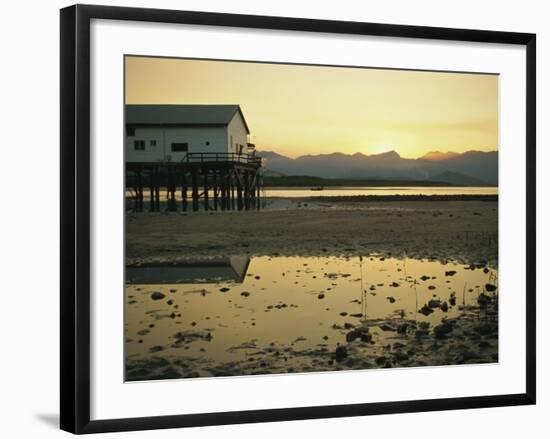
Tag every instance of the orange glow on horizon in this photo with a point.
(298, 110)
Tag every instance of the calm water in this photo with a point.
(290, 198)
(352, 191)
(296, 303)
(304, 192)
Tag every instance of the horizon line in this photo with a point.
(378, 154)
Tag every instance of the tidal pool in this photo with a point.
(303, 314)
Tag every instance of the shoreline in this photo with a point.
(398, 198)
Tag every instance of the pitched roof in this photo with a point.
(182, 114)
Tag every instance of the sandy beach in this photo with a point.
(464, 231)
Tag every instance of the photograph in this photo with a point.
(299, 218)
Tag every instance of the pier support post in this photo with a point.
(157, 189)
(227, 191)
(205, 182)
(232, 189)
(239, 191)
(253, 182)
(136, 190)
(183, 191)
(258, 189)
(171, 190)
(139, 191)
(234, 185)
(223, 187)
(246, 190)
(195, 190)
(151, 191)
(215, 189)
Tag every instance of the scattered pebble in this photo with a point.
(341, 353)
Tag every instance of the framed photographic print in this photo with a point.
(269, 218)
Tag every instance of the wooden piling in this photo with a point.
(246, 190)
(234, 184)
(171, 190)
(195, 190)
(258, 193)
(232, 189)
(139, 191)
(239, 191)
(223, 187)
(136, 201)
(151, 191)
(157, 189)
(205, 182)
(183, 191)
(215, 189)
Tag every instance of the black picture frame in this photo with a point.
(75, 217)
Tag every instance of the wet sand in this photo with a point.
(469, 339)
(464, 231)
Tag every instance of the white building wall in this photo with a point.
(237, 134)
(151, 153)
(199, 139)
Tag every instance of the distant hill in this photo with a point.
(270, 173)
(457, 179)
(468, 168)
(312, 182)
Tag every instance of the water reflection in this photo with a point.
(286, 314)
(298, 192)
(296, 197)
(228, 269)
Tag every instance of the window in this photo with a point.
(139, 145)
(180, 147)
(153, 142)
(130, 130)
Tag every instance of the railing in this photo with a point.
(209, 157)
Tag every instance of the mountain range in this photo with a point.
(471, 168)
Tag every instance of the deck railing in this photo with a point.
(209, 157)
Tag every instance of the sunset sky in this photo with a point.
(298, 110)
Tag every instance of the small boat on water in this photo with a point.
(320, 188)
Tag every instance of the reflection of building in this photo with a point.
(232, 268)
